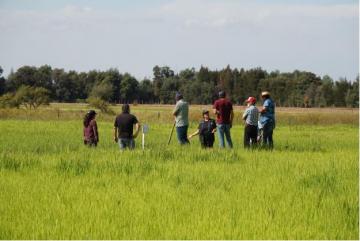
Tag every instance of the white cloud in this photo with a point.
(184, 33)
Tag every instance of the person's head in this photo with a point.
(222, 94)
(251, 100)
(265, 95)
(178, 96)
(125, 108)
(90, 115)
(205, 114)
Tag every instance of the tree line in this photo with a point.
(289, 89)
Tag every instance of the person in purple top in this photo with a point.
(91, 135)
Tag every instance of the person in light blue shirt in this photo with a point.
(267, 119)
(181, 114)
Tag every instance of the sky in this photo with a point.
(321, 36)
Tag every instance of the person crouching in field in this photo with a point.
(206, 130)
(91, 135)
(251, 116)
(123, 129)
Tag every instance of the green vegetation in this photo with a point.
(53, 187)
(289, 89)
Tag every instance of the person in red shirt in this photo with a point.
(223, 110)
(91, 135)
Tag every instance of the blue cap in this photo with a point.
(178, 96)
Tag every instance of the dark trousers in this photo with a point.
(250, 135)
(207, 141)
(90, 143)
(268, 135)
(181, 132)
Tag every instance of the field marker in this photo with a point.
(145, 129)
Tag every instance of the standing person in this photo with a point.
(90, 132)
(181, 114)
(250, 116)
(223, 110)
(123, 128)
(267, 119)
(206, 130)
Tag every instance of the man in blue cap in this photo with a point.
(181, 113)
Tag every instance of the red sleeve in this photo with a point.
(215, 106)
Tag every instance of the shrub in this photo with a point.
(100, 104)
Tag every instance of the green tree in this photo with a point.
(32, 97)
(128, 88)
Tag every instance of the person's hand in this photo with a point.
(115, 139)
(213, 131)
(190, 136)
(230, 125)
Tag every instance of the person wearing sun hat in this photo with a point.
(206, 130)
(250, 116)
(267, 119)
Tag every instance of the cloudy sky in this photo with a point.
(319, 35)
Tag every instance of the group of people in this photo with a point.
(259, 124)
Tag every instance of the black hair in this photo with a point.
(88, 117)
(222, 94)
(126, 108)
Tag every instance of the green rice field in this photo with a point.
(53, 187)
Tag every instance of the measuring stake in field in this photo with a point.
(145, 129)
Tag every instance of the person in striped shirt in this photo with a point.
(250, 116)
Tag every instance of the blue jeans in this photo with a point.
(268, 134)
(224, 129)
(181, 132)
(126, 143)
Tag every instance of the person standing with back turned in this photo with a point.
(91, 135)
(267, 119)
(123, 128)
(223, 109)
(181, 114)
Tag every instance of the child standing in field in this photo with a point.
(91, 135)
(206, 130)
(251, 116)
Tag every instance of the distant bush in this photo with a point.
(29, 97)
(8, 101)
(100, 104)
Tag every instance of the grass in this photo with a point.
(52, 187)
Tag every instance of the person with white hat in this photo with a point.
(267, 119)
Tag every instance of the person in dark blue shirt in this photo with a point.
(267, 119)
(206, 130)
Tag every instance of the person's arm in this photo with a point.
(176, 110)
(213, 127)
(137, 129)
(115, 134)
(265, 106)
(214, 109)
(115, 131)
(245, 114)
(95, 130)
(194, 134)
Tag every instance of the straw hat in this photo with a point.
(265, 93)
